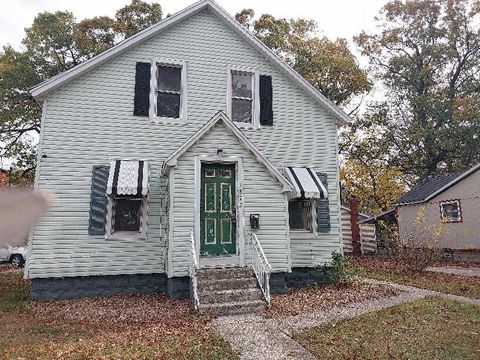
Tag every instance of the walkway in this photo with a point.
(456, 270)
(260, 338)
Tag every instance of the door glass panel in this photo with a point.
(226, 174)
(209, 172)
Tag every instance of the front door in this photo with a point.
(217, 210)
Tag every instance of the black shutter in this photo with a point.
(98, 200)
(141, 102)
(323, 208)
(266, 94)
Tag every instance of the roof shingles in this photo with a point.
(426, 188)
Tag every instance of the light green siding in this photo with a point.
(89, 121)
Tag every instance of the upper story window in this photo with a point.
(242, 95)
(168, 98)
(450, 211)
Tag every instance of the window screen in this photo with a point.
(300, 214)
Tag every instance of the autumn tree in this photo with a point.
(426, 55)
(54, 43)
(376, 185)
(328, 65)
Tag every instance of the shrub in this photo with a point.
(341, 270)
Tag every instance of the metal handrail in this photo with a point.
(257, 260)
(193, 271)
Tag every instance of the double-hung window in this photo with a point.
(242, 96)
(168, 100)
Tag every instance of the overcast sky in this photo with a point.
(338, 18)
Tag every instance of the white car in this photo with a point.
(14, 255)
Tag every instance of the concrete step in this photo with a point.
(232, 308)
(227, 273)
(225, 296)
(226, 284)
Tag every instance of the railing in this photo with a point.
(257, 260)
(193, 271)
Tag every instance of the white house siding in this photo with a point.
(262, 194)
(90, 121)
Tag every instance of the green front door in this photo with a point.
(217, 210)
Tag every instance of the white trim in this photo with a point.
(35, 184)
(171, 161)
(171, 222)
(40, 91)
(442, 189)
(232, 260)
(255, 124)
(152, 111)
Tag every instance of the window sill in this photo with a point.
(163, 120)
(126, 236)
(242, 125)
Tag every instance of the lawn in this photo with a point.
(431, 328)
(398, 272)
(126, 327)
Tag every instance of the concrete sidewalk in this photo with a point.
(456, 270)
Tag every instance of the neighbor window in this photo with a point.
(300, 213)
(168, 100)
(450, 211)
(242, 96)
(127, 215)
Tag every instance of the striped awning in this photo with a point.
(306, 183)
(127, 177)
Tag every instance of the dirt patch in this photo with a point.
(299, 301)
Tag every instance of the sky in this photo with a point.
(338, 18)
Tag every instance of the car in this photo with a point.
(14, 255)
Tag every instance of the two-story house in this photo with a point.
(187, 146)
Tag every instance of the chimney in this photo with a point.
(357, 248)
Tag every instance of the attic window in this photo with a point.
(450, 211)
(168, 98)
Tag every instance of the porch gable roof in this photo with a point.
(235, 131)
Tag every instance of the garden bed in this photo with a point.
(306, 300)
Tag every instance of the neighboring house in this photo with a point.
(442, 212)
(191, 130)
(4, 178)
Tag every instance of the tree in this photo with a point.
(54, 43)
(375, 184)
(426, 54)
(328, 65)
(137, 16)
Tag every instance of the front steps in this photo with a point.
(229, 291)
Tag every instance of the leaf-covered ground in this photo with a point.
(431, 328)
(304, 300)
(399, 272)
(116, 327)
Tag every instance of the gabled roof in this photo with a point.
(434, 186)
(41, 90)
(235, 131)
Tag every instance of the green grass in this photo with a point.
(24, 336)
(431, 328)
(399, 273)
